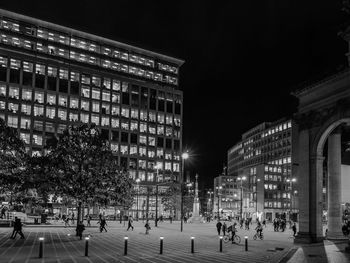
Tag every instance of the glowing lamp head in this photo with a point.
(185, 155)
(126, 238)
(161, 238)
(41, 238)
(192, 238)
(87, 238)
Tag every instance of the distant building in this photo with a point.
(263, 159)
(52, 76)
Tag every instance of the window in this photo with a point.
(50, 112)
(160, 130)
(12, 121)
(124, 149)
(63, 73)
(160, 153)
(152, 141)
(133, 125)
(143, 127)
(95, 119)
(51, 99)
(96, 81)
(85, 92)
(49, 127)
(37, 139)
(161, 118)
(85, 105)
(125, 112)
(106, 83)
(115, 123)
(96, 106)
(14, 92)
(25, 137)
(39, 97)
(13, 107)
(115, 110)
(2, 90)
(143, 139)
(26, 94)
(114, 147)
(105, 108)
(84, 117)
(74, 103)
(125, 125)
(151, 154)
(62, 100)
(133, 149)
(73, 116)
(26, 109)
(95, 94)
(134, 113)
(115, 97)
(85, 79)
(62, 114)
(116, 85)
(142, 151)
(105, 121)
(106, 96)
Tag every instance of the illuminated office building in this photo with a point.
(263, 158)
(52, 76)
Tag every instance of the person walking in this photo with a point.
(80, 228)
(264, 223)
(130, 221)
(294, 228)
(17, 228)
(224, 229)
(241, 223)
(103, 224)
(73, 218)
(218, 227)
(148, 228)
(88, 219)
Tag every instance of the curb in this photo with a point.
(288, 255)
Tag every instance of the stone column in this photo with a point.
(334, 186)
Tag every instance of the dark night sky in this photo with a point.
(243, 58)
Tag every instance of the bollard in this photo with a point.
(220, 244)
(192, 244)
(41, 249)
(125, 246)
(246, 243)
(161, 245)
(87, 246)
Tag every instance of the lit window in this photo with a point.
(115, 123)
(96, 106)
(85, 105)
(37, 139)
(25, 137)
(51, 99)
(84, 117)
(95, 94)
(74, 103)
(50, 112)
(73, 116)
(62, 100)
(95, 119)
(12, 121)
(62, 114)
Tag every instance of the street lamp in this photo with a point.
(218, 189)
(243, 178)
(184, 156)
(291, 181)
(137, 199)
(210, 193)
(157, 167)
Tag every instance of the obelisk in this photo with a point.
(195, 215)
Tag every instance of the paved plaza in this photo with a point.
(108, 247)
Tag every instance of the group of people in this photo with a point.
(279, 224)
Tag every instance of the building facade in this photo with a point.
(53, 76)
(261, 165)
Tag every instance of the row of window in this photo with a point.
(276, 129)
(276, 205)
(82, 44)
(85, 58)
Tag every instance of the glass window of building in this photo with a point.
(152, 141)
(133, 150)
(115, 123)
(160, 153)
(74, 103)
(143, 127)
(39, 97)
(115, 97)
(152, 117)
(84, 117)
(124, 149)
(85, 105)
(14, 92)
(27, 73)
(25, 137)
(152, 129)
(95, 106)
(169, 119)
(3, 90)
(49, 127)
(134, 125)
(168, 156)
(142, 151)
(125, 112)
(73, 116)
(143, 115)
(160, 130)
(26, 109)
(40, 69)
(160, 118)
(51, 99)
(176, 167)
(151, 154)
(150, 177)
(143, 139)
(62, 114)
(106, 83)
(61, 128)
(116, 85)
(15, 64)
(63, 73)
(142, 164)
(50, 112)
(134, 113)
(167, 166)
(115, 110)
(13, 107)
(125, 125)
(114, 147)
(62, 100)
(85, 79)
(37, 139)
(27, 94)
(142, 176)
(12, 121)
(169, 131)
(105, 121)
(177, 121)
(96, 81)
(2, 105)
(38, 125)
(95, 119)
(106, 108)
(96, 94)
(106, 96)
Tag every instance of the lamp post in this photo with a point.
(210, 193)
(218, 189)
(157, 167)
(184, 156)
(291, 181)
(242, 179)
(137, 199)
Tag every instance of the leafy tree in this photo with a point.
(84, 168)
(12, 162)
(171, 198)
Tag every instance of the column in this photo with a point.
(334, 186)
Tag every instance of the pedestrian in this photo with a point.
(247, 224)
(241, 223)
(73, 218)
(148, 228)
(103, 224)
(17, 228)
(80, 228)
(264, 223)
(224, 229)
(218, 227)
(130, 224)
(171, 219)
(88, 219)
(185, 219)
(294, 228)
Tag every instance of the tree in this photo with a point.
(12, 162)
(83, 168)
(171, 198)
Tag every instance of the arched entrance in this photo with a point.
(324, 111)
